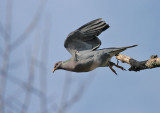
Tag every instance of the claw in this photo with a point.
(120, 67)
(111, 64)
(112, 69)
(117, 61)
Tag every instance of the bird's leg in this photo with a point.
(75, 55)
(120, 67)
(116, 65)
(117, 61)
(110, 64)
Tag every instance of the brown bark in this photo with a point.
(153, 62)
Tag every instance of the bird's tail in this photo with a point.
(130, 46)
(116, 51)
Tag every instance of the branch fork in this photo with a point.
(153, 62)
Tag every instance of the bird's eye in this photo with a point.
(55, 65)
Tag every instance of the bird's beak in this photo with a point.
(54, 69)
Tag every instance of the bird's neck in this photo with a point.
(67, 65)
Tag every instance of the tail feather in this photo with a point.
(116, 51)
(130, 46)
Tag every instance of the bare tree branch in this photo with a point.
(31, 27)
(5, 59)
(28, 89)
(44, 59)
(23, 85)
(1, 50)
(73, 99)
(80, 90)
(30, 77)
(3, 31)
(153, 62)
(14, 105)
(15, 64)
(66, 88)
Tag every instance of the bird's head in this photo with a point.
(57, 65)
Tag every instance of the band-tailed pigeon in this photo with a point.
(83, 43)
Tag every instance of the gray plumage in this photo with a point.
(83, 43)
(85, 37)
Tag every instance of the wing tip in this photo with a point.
(106, 25)
(93, 22)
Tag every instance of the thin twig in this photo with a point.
(66, 88)
(5, 59)
(30, 78)
(80, 90)
(31, 26)
(44, 58)
(1, 51)
(23, 85)
(15, 105)
(3, 32)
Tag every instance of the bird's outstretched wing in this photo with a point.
(85, 37)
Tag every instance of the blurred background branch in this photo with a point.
(66, 101)
(22, 37)
(5, 55)
(19, 90)
(43, 69)
(31, 77)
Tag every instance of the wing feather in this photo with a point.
(85, 37)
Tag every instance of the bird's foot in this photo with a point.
(76, 56)
(112, 69)
(120, 67)
(111, 64)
